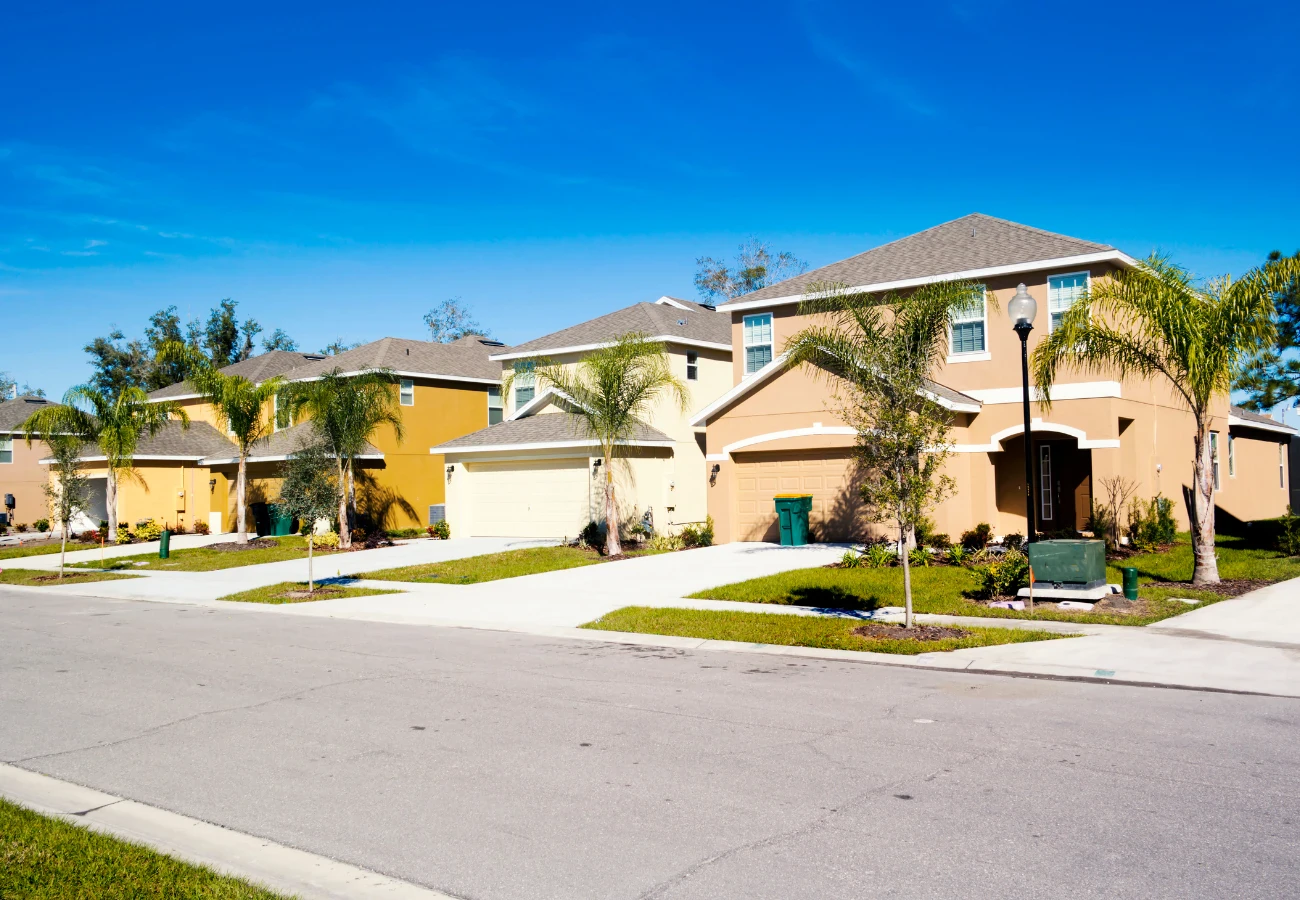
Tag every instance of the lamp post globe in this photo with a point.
(1022, 310)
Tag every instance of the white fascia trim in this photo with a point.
(1251, 423)
(583, 348)
(746, 385)
(400, 374)
(954, 405)
(211, 461)
(177, 397)
(990, 271)
(1083, 390)
(149, 458)
(1036, 425)
(669, 301)
(542, 445)
(954, 358)
(838, 430)
(538, 402)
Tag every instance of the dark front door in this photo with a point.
(1063, 474)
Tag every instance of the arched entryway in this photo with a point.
(1063, 481)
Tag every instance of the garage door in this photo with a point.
(542, 498)
(837, 511)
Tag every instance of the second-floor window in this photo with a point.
(692, 366)
(1062, 291)
(1214, 457)
(969, 324)
(758, 342)
(6, 449)
(495, 411)
(525, 383)
(1232, 458)
(408, 392)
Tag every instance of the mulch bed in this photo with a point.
(70, 576)
(236, 547)
(916, 632)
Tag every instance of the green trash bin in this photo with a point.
(792, 515)
(1130, 582)
(278, 523)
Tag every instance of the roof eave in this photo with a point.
(584, 348)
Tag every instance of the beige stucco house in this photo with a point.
(777, 429)
(536, 473)
(22, 477)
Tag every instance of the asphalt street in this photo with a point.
(500, 766)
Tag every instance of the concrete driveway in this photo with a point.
(1270, 615)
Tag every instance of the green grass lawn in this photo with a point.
(940, 589)
(494, 566)
(40, 549)
(205, 559)
(277, 593)
(799, 631)
(43, 858)
(42, 578)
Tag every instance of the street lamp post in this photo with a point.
(1022, 309)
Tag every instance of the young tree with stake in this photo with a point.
(68, 486)
(310, 490)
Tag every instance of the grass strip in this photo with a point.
(40, 549)
(43, 858)
(44, 578)
(495, 566)
(830, 632)
(206, 559)
(296, 592)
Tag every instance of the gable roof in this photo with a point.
(974, 246)
(174, 443)
(1238, 415)
(14, 412)
(680, 322)
(466, 359)
(551, 430)
(278, 446)
(256, 369)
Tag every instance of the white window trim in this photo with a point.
(744, 355)
(1214, 461)
(973, 355)
(7, 444)
(500, 402)
(692, 364)
(402, 385)
(1087, 289)
(1281, 466)
(1232, 456)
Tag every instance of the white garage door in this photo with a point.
(542, 498)
(837, 512)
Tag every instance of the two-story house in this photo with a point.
(537, 473)
(778, 430)
(22, 477)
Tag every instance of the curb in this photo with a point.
(254, 859)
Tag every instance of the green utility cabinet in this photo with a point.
(1068, 563)
(792, 513)
(280, 523)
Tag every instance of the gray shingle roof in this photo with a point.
(654, 319)
(256, 369)
(1249, 416)
(548, 428)
(947, 393)
(196, 442)
(279, 445)
(465, 358)
(975, 241)
(13, 413)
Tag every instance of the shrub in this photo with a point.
(1014, 541)
(125, 537)
(147, 530)
(978, 537)
(440, 530)
(42, 525)
(665, 542)
(958, 555)
(878, 556)
(923, 530)
(404, 532)
(698, 535)
(327, 541)
(851, 560)
(918, 556)
(200, 526)
(1002, 578)
(1288, 537)
(1151, 524)
(22, 527)
(939, 541)
(89, 537)
(592, 536)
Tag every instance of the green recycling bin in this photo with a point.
(279, 523)
(1130, 582)
(165, 544)
(1068, 563)
(792, 514)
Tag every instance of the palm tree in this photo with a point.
(880, 351)
(346, 412)
(1153, 321)
(114, 424)
(612, 390)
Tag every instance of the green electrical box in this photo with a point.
(278, 523)
(1068, 563)
(792, 514)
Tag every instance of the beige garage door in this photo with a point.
(827, 475)
(541, 498)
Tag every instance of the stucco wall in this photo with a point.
(25, 479)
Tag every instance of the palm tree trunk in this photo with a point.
(345, 533)
(110, 496)
(241, 486)
(907, 577)
(1206, 570)
(612, 546)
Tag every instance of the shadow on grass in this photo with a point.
(834, 598)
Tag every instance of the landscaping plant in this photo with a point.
(1152, 524)
(42, 525)
(114, 424)
(878, 556)
(851, 560)
(1116, 491)
(441, 530)
(918, 556)
(1288, 538)
(958, 555)
(309, 491)
(1155, 322)
(1002, 578)
(66, 488)
(977, 538)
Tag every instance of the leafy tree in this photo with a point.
(345, 413)
(1271, 378)
(613, 390)
(10, 388)
(241, 408)
(278, 340)
(225, 339)
(67, 488)
(115, 424)
(337, 346)
(119, 364)
(310, 490)
(450, 321)
(165, 327)
(756, 266)
(880, 352)
(1154, 321)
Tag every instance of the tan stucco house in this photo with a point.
(22, 477)
(777, 429)
(537, 474)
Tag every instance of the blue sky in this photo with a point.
(338, 170)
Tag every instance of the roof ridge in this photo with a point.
(1032, 230)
